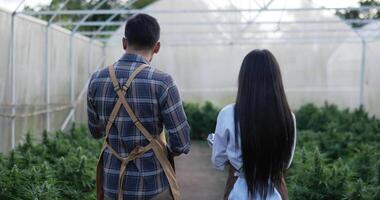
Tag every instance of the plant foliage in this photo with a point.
(337, 157)
(61, 167)
(364, 14)
(202, 119)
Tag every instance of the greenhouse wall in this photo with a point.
(314, 71)
(204, 66)
(31, 75)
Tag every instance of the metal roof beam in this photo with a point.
(91, 23)
(117, 23)
(258, 42)
(251, 21)
(300, 31)
(128, 5)
(88, 15)
(270, 31)
(96, 33)
(326, 37)
(59, 8)
(184, 11)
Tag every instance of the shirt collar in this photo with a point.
(127, 57)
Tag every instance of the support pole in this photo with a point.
(89, 64)
(72, 75)
(47, 76)
(362, 74)
(47, 71)
(12, 60)
(13, 81)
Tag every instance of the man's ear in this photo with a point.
(157, 47)
(125, 43)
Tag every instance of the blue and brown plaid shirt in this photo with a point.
(155, 99)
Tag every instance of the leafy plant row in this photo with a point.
(337, 154)
(337, 157)
(62, 167)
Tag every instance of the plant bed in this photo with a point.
(337, 157)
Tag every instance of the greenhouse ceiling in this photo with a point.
(100, 33)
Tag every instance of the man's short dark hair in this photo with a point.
(142, 31)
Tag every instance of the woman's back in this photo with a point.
(261, 141)
(226, 149)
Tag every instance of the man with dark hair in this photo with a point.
(128, 105)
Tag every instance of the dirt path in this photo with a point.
(198, 180)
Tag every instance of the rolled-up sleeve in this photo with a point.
(94, 124)
(219, 156)
(174, 119)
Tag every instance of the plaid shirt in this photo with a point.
(155, 99)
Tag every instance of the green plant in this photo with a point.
(202, 119)
(337, 154)
(59, 168)
(337, 157)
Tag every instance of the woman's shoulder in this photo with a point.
(226, 113)
(226, 116)
(227, 110)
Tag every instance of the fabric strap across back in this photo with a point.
(157, 144)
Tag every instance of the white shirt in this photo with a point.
(224, 149)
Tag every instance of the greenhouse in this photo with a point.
(329, 62)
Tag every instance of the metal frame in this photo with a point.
(192, 11)
(243, 27)
(71, 115)
(127, 6)
(192, 23)
(47, 71)
(13, 74)
(109, 33)
(88, 15)
(249, 22)
(362, 73)
(262, 8)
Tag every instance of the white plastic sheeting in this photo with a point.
(320, 57)
(33, 79)
(320, 61)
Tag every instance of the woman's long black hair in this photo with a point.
(265, 123)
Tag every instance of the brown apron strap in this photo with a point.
(282, 189)
(231, 179)
(157, 145)
(135, 153)
(112, 117)
(162, 155)
(99, 167)
(121, 96)
(116, 85)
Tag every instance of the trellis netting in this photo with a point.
(320, 55)
(42, 77)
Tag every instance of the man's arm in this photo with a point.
(174, 119)
(94, 124)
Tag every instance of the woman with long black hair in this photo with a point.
(256, 136)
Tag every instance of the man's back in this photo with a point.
(154, 98)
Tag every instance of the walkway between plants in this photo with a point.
(196, 176)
